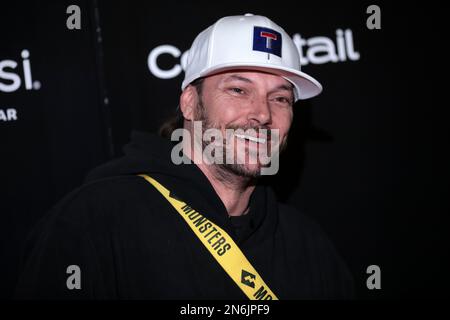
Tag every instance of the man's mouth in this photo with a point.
(250, 138)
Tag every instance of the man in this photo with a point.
(171, 221)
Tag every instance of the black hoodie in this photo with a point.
(130, 243)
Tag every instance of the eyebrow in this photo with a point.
(284, 87)
(237, 77)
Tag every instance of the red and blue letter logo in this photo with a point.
(267, 40)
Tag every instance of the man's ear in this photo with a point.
(188, 102)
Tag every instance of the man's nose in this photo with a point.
(260, 112)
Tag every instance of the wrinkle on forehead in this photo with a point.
(251, 77)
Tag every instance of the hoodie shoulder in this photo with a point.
(307, 234)
(294, 217)
(304, 228)
(107, 199)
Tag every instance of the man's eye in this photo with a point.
(283, 100)
(237, 90)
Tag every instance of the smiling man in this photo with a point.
(147, 226)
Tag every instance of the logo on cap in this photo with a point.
(267, 40)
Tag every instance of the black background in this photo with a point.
(366, 158)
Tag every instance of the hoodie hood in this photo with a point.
(151, 154)
(145, 153)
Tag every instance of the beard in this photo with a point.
(233, 167)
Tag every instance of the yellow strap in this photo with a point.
(221, 246)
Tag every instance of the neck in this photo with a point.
(233, 190)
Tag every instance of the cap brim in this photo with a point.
(305, 85)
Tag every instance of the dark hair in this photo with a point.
(175, 121)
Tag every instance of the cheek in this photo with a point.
(282, 120)
(223, 111)
(229, 115)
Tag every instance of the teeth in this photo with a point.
(254, 139)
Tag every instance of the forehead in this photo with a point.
(252, 77)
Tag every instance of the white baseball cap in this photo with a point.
(251, 42)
